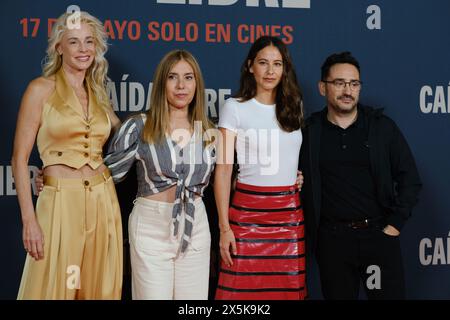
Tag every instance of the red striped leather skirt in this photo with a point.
(268, 226)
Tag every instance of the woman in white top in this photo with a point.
(262, 232)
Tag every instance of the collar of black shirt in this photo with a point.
(359, 123)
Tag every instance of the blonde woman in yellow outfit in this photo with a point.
(74, 237)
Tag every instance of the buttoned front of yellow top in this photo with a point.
(65, 136)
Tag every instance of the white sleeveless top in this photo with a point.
(267, 155)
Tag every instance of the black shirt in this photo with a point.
(348, 189)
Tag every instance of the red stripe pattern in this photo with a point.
(268, 226)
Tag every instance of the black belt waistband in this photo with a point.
(355, 224)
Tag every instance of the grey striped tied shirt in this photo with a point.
(161, 166)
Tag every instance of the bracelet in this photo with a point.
(225, 231)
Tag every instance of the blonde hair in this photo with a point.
(157, 123)
(96, 75)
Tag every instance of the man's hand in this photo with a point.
(391, 231)
(299, 180)
(39, 182)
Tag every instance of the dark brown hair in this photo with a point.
(289, 98)
(336, 58)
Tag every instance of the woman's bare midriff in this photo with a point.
(65, 172)
(166, 195)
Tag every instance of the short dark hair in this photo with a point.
(335, 58)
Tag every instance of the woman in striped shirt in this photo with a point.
(172, 146)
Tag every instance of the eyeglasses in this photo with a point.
(339, 84)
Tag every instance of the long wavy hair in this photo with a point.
(157, 123)
(96, 74)
(289, 98)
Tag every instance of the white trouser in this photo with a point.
(158, 270)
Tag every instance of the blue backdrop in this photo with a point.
(402, 47)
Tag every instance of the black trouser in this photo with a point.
(346, 255)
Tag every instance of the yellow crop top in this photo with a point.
(65, 136)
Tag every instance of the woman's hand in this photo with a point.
(33, 239)
(226, 240)
(299, 179)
